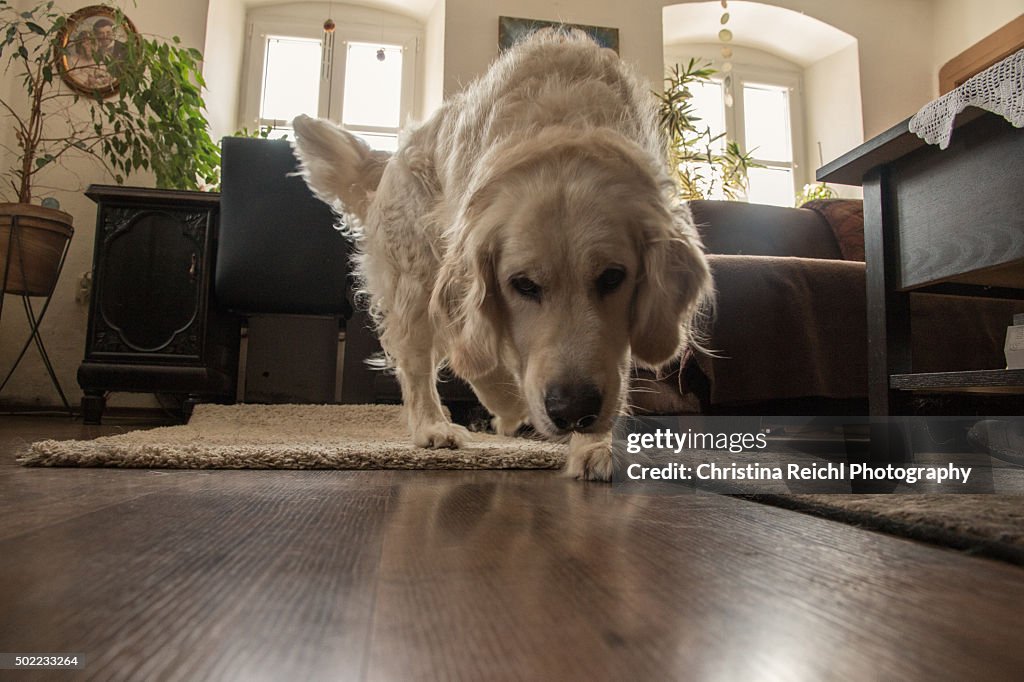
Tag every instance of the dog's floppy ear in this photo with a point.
(464, 306)
(340, 168)
(672, 286)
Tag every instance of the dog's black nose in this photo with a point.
(573, 407)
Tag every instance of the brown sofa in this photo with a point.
(788, 333)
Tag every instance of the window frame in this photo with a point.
(743, 75)
(743, 72)
(332, 68)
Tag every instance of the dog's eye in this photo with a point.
(610, 280)
(526, 287)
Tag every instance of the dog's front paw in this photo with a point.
(589, 460)
(440, 435)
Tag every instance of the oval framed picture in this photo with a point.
(91, 49)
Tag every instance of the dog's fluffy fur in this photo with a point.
(487, 241)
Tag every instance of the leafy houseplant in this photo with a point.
(813, 192)
(212, 180)
(152, 119)
(704, 166)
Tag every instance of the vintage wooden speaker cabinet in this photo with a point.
(153, 326)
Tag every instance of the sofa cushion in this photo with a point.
(741, 229)
(846, 218)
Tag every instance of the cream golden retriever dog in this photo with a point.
(528, 234)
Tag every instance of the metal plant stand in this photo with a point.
(34, 320)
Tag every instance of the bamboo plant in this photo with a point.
(704, 167)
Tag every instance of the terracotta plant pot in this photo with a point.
(36, 248)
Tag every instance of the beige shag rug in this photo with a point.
(291, 437)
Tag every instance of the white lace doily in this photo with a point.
(999, 89)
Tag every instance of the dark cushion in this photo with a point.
(278, 251)
(736, 228)
(846, 218)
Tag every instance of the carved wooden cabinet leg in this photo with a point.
(93, 404)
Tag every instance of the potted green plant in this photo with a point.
(703, 167)
(88, 85)
(815, 192)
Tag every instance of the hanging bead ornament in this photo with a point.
(329, 24)
(725, 36)
(381, 55)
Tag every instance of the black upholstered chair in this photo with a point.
(283, 266)
(278, 251)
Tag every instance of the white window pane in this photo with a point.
(291, 78)
(766, 122)
(373, 86)
(709, 106)
(771, 186)
(381, 141)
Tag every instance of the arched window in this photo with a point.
(779, 100)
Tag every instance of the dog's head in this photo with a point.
(567, 257)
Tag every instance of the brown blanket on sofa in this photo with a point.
(801, 332)
(814, 345)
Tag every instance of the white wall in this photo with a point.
(961, 23)
(709, 52)
(894, 64)
(895, 38)
(834, 110)
(471, 32)
(432, 60)
(222, 64)
(896, 56)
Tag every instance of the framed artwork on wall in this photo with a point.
(511, 30)
(92, 47)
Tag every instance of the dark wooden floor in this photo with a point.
(272, 575)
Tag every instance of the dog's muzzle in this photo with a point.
(573, 407)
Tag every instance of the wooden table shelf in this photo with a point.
(1004, 381)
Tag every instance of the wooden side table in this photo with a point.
(939, 221)
(153, 324)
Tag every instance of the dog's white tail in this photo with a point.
(339, 167)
